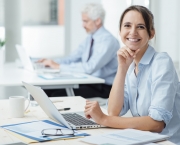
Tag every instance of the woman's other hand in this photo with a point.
(93, 110)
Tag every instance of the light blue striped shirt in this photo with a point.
(154, 92)
(103, 61)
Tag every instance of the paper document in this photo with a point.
(125, 137)
(51, 76)
(33, 130)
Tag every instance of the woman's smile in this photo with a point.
(133, 40)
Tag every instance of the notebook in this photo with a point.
(32, 66)
(125, 137)
(74, 120)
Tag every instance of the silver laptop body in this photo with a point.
(45, 103)
(29, 65)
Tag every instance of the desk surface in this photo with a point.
(12, 76)
(36, 113)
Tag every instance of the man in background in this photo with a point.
(95, 56)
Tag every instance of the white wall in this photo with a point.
(6, 92)
(141, 2)
(113, 10)
(1, 12)
(73, 23)
(36, 11)
(166, 15)
(44, 41)
(2, 33)
(77, 33)
(13, 24)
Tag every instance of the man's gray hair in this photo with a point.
(94, 11)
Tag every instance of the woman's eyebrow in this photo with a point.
(131, 23)
(126, 23)
(142, 24)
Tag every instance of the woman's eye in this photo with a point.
(126, 25)
(141, 27)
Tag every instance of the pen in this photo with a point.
(64, 109)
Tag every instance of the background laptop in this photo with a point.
(29, 65)
(73, 120)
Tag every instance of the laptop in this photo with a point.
(30, 65)
(73, 120)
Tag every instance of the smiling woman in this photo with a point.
(146, 82)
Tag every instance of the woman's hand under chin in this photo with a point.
(126, 56)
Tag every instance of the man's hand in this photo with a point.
(49, 63)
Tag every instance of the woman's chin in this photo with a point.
(133, 49)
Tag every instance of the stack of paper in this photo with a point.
(51, 76)
(125, 137)
(31, 131)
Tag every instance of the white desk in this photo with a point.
(36, 113)
(13, 76)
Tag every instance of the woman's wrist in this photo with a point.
(104, 120)
(122, 70)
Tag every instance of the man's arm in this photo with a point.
(74, 57)
(103, 53)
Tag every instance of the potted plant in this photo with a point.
(2, 52)
(2, 43)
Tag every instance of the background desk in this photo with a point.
(13, 76)
(36, 113)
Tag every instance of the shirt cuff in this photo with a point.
(160, 114)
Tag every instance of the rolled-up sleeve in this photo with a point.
(164, 87)
(160, 114)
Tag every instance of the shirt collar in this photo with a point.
(146, 58)
(98, 32)
(148, 55)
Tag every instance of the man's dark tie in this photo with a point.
(90, 49)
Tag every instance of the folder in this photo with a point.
(33, 133)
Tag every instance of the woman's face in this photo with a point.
(133, 31)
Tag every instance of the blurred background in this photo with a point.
(53, 28)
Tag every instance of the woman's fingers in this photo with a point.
(87, 112)
(133, 52)
(130, 51)
(89, 107)
(121, 53)
(137, 51)
(126, 53)
(90, 104)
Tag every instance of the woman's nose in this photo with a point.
(133, 31)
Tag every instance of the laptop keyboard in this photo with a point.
(77, 119)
